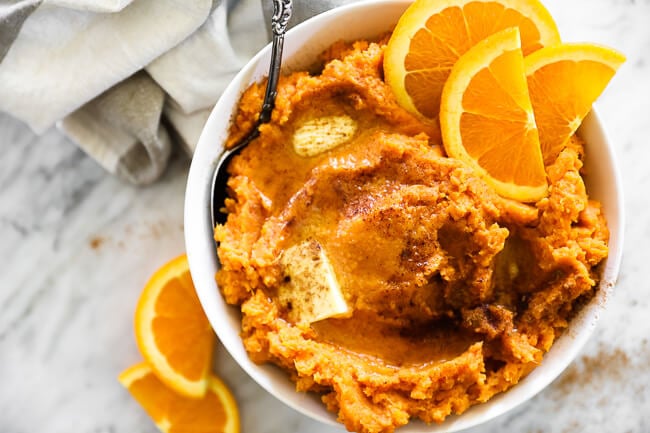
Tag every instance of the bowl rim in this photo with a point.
(225, 319)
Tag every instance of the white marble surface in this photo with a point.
(77, 245)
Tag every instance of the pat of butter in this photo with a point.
(321, 134)
(310, 291)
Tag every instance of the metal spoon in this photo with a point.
(279, 21)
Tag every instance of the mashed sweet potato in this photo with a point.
(455, 293)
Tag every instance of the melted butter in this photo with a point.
(435, 343)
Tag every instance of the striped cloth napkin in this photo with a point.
(125, 79)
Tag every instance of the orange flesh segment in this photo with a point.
(216, 412)
(487, 118)
(446, 36)
(496, 115)
(180, 328)
(172, 331)
(564, 81)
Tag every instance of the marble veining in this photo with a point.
(77, 245)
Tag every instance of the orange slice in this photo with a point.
(487, 120)
(432, 34)
(564, 81)
(215, 412)
(172, 332)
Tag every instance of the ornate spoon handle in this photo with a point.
(279, 21)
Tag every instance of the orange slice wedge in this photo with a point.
(432, 34)
(563, 82)
(216, 412)
(487, 120)
(172, 332)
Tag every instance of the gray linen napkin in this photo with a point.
(12, 17)
(103, 71)
(122, 129)
(131, 126)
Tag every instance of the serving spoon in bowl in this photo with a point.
(281, 15)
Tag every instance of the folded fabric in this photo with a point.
(64, 57)
(126, 79)
(121, 128)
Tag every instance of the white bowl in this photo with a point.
(303, 43)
